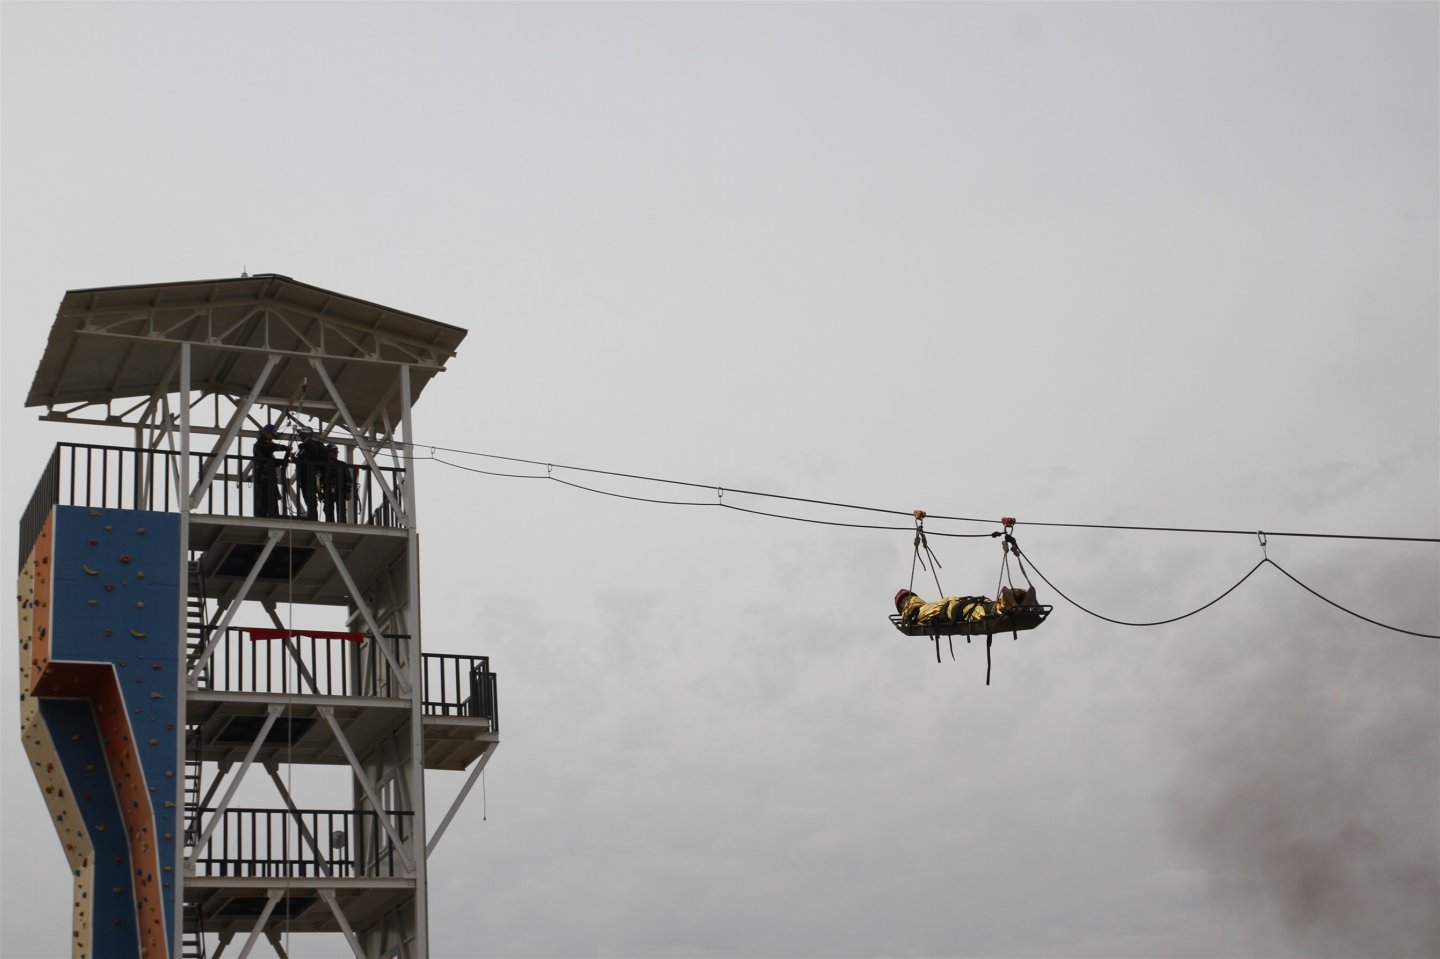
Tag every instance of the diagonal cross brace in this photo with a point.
(272, 713)
(231, 431)
(320, 860)
(219, 631)
(291, 647)
(364, 450)
(368, 786)
(329, 543)
(329, 896)
(455, 806)
(260, 921)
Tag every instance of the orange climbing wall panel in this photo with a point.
(100, 656)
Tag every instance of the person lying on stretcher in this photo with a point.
(959, 609)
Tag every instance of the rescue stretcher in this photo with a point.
(1017, 619)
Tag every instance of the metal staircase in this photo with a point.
(196, 629)
(192, 942)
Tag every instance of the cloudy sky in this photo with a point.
(1135, 264)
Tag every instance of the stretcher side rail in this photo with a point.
(1013, 620)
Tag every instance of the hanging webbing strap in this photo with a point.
(987, 659)
(922, 543)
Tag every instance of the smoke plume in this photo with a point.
(1310, 788)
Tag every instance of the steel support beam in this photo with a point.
(237, 420)
(355, 431)
(263, 918)
(364, 609)
(320, 859)
(272, 713)
(217, 632)
(291, 648)
(329, 896)
(480, 765)
(368, 785)
(416, 663)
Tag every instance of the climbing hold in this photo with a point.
(137, 634)
(139, 574)
(94, 512)
(139, 605)
(90, 602)
(109, 528)
(141, 531)
(94, 542)
(154, 742)
(109, 587)
(125, 558)
(89, 571)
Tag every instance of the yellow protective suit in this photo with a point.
(951, 609)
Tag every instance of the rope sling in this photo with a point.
(1013, 610)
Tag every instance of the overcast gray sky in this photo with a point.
(1157, 264)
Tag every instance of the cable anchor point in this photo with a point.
(1260, 535)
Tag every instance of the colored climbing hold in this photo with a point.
(89, 571)
(137, 634)
(125, 558)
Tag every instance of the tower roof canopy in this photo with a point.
(125, 341)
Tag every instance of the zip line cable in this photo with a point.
(720, 503)
(550, 467)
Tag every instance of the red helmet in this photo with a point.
(900, 598)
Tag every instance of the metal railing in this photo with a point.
(46, 495)
(460, 686)
(315, 843)
(120, 477)
(454, 685)
(299, 664)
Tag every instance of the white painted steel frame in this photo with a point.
(156, 423)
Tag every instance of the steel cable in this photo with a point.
(876, 509)
(1160, 622)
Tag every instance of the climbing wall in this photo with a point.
(100, 650)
